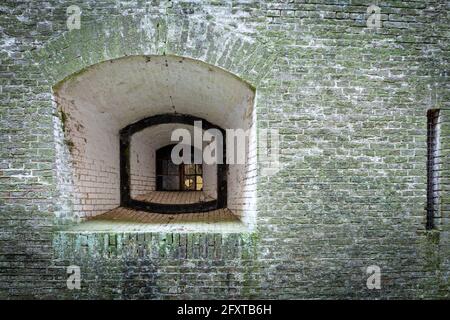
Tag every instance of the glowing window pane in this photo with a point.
(199, 183)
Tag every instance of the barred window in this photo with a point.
(432, 167)
(172, 177)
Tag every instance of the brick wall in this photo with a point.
(350, 105)
(89, 150)
(444, 144)
(142, 164)
(242, 178)
(210, 180)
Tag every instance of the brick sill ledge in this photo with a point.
(122, 220)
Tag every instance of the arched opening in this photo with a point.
(118, 113)
(149, 193)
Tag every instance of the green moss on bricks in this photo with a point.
(69, 143)
(350, 104)
(70, 77)
(63, 117)
(433, 237)
(430, 248)
(251, 277)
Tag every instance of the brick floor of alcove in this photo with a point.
(174, 197)
(130, 220)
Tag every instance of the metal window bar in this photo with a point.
(432, 168)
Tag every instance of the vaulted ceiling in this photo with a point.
(132, 88)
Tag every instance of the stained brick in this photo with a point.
(350, 104)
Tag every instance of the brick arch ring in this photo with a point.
(125, 176)
(210, 42)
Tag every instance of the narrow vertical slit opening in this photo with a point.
(432, 168)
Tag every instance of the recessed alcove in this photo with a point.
(153, 138)
(98, 105)
(147, 180)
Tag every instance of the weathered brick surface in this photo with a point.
(350, 104)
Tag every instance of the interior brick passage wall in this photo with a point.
(242, 177)
(142, 165)
(349, 102)
(210, 180)
(87, 158)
